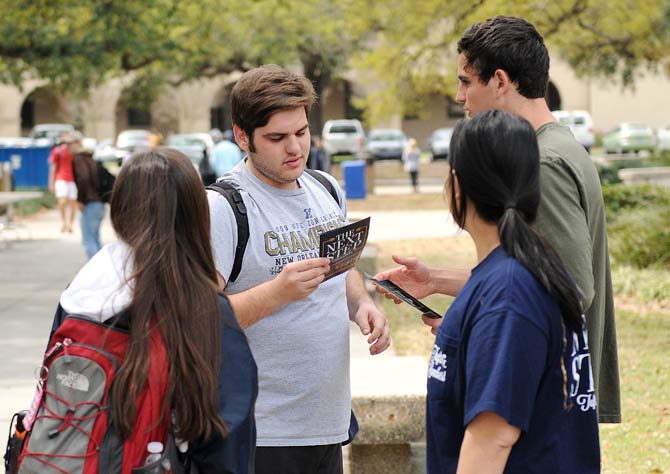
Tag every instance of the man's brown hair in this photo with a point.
(267, 89)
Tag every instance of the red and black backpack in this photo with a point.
(70, 428)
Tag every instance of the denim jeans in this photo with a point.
(91, 218)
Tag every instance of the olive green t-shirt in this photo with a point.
(572, 217)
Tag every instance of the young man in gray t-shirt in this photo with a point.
(298, 328)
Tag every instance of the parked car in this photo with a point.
(105, 150)
(130, 141)
(580, 123)
(192, 145)
(386, 143)
(629, 136)
(438, 143)
(663, 138)
(48, 134)
(15, 142)
(343, 137)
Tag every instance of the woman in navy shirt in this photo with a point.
(510, 388)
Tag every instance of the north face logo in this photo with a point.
(74, 380)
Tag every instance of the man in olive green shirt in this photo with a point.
(503, 64)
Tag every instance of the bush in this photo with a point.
(47, 201)
(609, 173)
(647, 285)
(641, 238)
(620, 198)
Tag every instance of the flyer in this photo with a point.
(344, 245)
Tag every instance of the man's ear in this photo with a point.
(503, 82)
(241, 138)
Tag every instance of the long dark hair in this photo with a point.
(159, 208)
(496, 159)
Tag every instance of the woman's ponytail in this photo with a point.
(522, 243)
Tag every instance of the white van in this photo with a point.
(581, 124)
(343, 137)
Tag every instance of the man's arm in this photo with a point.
(486, 445)
(295, 282)
(562, 221)
(420, 281)
(363, 311)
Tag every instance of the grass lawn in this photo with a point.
(641, 444)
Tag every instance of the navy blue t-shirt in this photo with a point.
(501, 349)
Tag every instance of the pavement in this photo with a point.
(37, 262)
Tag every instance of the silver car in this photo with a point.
(386, 143)
(48, 134)
(438, 143)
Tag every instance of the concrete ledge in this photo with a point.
(655, 175)
(388, 397)
(390, 420)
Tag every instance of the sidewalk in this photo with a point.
(37, 262)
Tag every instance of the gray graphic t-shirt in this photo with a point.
(302, 350)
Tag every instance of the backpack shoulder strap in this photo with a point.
(234, 198)
(325, 182)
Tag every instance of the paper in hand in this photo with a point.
(344, 245)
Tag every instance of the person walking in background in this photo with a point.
(61, 178)
(317, 155)
(161, 272)
(87, 177)
(205, 168)
(410, 159)
(511, 355)
(297, 324)
(225, 155)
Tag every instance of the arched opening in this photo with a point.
(553, 97)
(219, 113)
(42, 106)
(133, 109)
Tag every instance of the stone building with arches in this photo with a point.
(202, 104)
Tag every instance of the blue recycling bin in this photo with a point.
(354, 179)
(30, 165)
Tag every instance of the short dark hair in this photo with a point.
(513, 45)
(267, 89)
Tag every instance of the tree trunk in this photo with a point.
(320, 77)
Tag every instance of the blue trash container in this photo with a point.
(30, 165)
(354, 179)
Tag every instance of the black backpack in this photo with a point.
(105, 183)
(234, 198)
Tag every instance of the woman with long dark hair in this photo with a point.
(161, 273)
(510, 388)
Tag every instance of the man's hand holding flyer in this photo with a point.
(344, 245)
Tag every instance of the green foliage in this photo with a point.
(641, 238)
(620, 198)
(645, 285)
(412, 49)
(639, 230)
(25, 208)
(406, 53)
